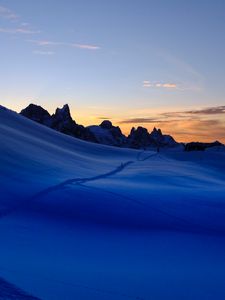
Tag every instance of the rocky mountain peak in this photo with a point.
(139, 138)
(63, 113)
(156, 132)
(106, 124)
(36, 113)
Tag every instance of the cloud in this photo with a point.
(217, 110)
(8, 14)
(167, 85)
(139, 120)
(86, 46)
(24, 24)
(208, 111)
(45, 43)
(38, 52)
(104, 118)
(73, 45)
(20, 27)
(18, 31)
(146, 84)
(203, 130)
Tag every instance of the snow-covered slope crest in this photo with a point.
(56, 173)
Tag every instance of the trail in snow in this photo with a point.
(147, 157)
(77, 181)
(62, 185)
(88, 179)
(81, 180)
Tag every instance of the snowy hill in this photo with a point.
(86, 221)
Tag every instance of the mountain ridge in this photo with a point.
(106, 133)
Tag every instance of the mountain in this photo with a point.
(197, 146)
(37, 114)
(61, 121)
(162, 140)
(105, 133)
(108, 134)
(140, 138)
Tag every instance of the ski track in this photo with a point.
(81, 182)
(117, 170)
(62, 185)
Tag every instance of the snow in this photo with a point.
(10, 292)
(80, 220)
(102, 135)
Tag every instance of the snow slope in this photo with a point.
(10, 292)
(87, 221)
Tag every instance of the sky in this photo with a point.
(138, 63)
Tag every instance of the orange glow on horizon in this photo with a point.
(182, 130)
(203, 129)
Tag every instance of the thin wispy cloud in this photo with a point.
(46, 43)
(19, 26)
(24, 24)
(217, 110)
(6, 13)
(104, 118)
(86, 46)
(209, 111)
(38, 52)
(146, 84)
(165, 85)
(18, 31)
(139, 120)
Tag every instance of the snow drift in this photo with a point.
(105, 222)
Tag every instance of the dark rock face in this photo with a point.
(118, 136)
(37, 114)
(106, 124)
(141, 138)
(162, 140)
(196, 146)
(61, 121)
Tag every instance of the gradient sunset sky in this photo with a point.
(138, 63)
